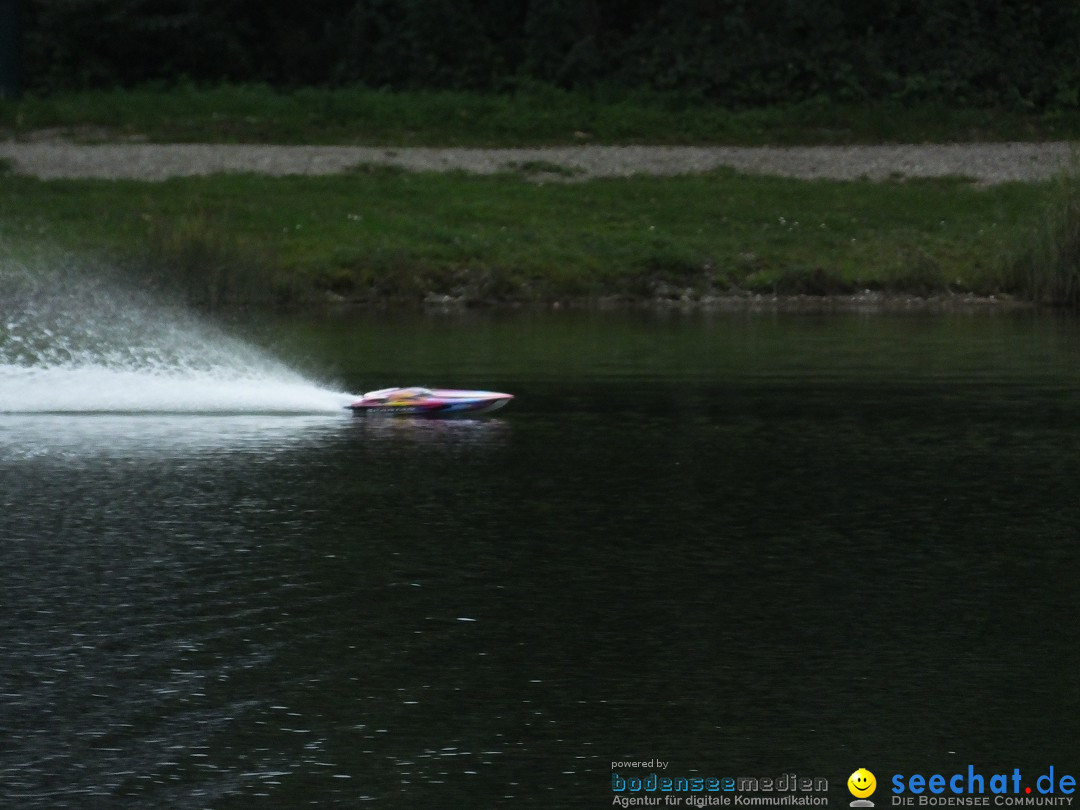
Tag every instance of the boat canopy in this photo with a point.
(413, 392)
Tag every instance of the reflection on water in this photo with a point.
(741, 567)
(168, 607)
(167, 436)
(439, 434)
(161, 436)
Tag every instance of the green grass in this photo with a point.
(392, 236)
(540, 115)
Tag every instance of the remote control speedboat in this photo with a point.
(429, 402)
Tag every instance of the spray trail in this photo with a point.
(74, 342)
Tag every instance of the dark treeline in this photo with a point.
(738, 52)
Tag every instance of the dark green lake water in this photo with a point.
(744, 544)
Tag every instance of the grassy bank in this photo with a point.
(536, 116)
(384, 235)
(1046, 266)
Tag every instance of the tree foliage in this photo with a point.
(736, 52)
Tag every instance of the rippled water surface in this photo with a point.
(741, 543)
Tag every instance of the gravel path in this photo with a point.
(986, 163)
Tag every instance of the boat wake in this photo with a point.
(74, 343)
(98, 389)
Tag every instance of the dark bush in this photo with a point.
(976, 53)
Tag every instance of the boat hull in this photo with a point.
(429, 402)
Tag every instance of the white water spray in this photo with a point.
(71, 342)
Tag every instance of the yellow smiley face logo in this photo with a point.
(861, 783)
